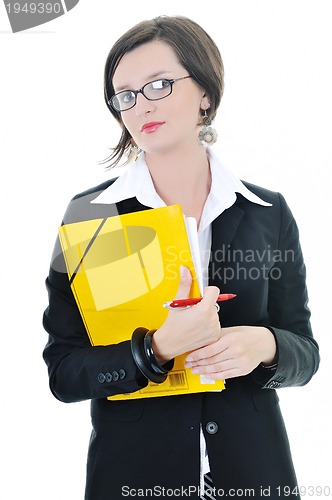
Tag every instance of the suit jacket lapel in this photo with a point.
(224, 229)
(130, 205)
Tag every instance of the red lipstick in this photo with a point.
(150, 127)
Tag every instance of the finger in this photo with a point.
(185, 283)
(223, 375)
(210, 296)
(227, 372)
(207, 354)
(225, 369)
(218, 366)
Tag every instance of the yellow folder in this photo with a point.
(122, 269)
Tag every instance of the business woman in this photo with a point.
(163, 84)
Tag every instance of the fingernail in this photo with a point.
(183, 271)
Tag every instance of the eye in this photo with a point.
(160, 84)
(126, 97)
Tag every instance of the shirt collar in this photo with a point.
(136, 182)
(224, 188)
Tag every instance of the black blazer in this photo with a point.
(154, 443)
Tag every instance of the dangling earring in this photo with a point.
(207, 134)
(133, 151)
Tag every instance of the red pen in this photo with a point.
(191, 302)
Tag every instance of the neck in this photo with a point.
(182, 177)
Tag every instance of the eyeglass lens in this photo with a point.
(153, 91)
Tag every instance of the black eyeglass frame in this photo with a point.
(141, 91)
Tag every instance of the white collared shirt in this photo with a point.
(136, 182)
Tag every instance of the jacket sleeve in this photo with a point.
(297, 351)
(77, 370)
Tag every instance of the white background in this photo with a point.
(274, 129)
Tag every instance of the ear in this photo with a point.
(205, 102)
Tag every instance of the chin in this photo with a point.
(163, 147)
(156, 149)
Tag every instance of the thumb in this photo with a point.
(210, 295)
(185, 283)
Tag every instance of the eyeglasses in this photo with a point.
(152, 91)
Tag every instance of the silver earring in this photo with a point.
(207, 134)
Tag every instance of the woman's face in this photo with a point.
(173, 120)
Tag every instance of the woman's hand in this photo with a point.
(188, 329)
(238, 352)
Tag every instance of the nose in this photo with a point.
(143, 105)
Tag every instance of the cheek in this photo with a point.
(187, 110)
(126, 121)
(133, 127)
(130, 121)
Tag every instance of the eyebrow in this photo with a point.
(149, 78)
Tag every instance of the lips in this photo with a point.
(150, 127)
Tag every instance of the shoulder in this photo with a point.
(280, 211)
(92, 192)
(80, 207)
(267, 195)
(276, 199)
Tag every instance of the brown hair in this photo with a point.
(195, 49)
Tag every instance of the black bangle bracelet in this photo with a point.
(140, 358)
(165, 368)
